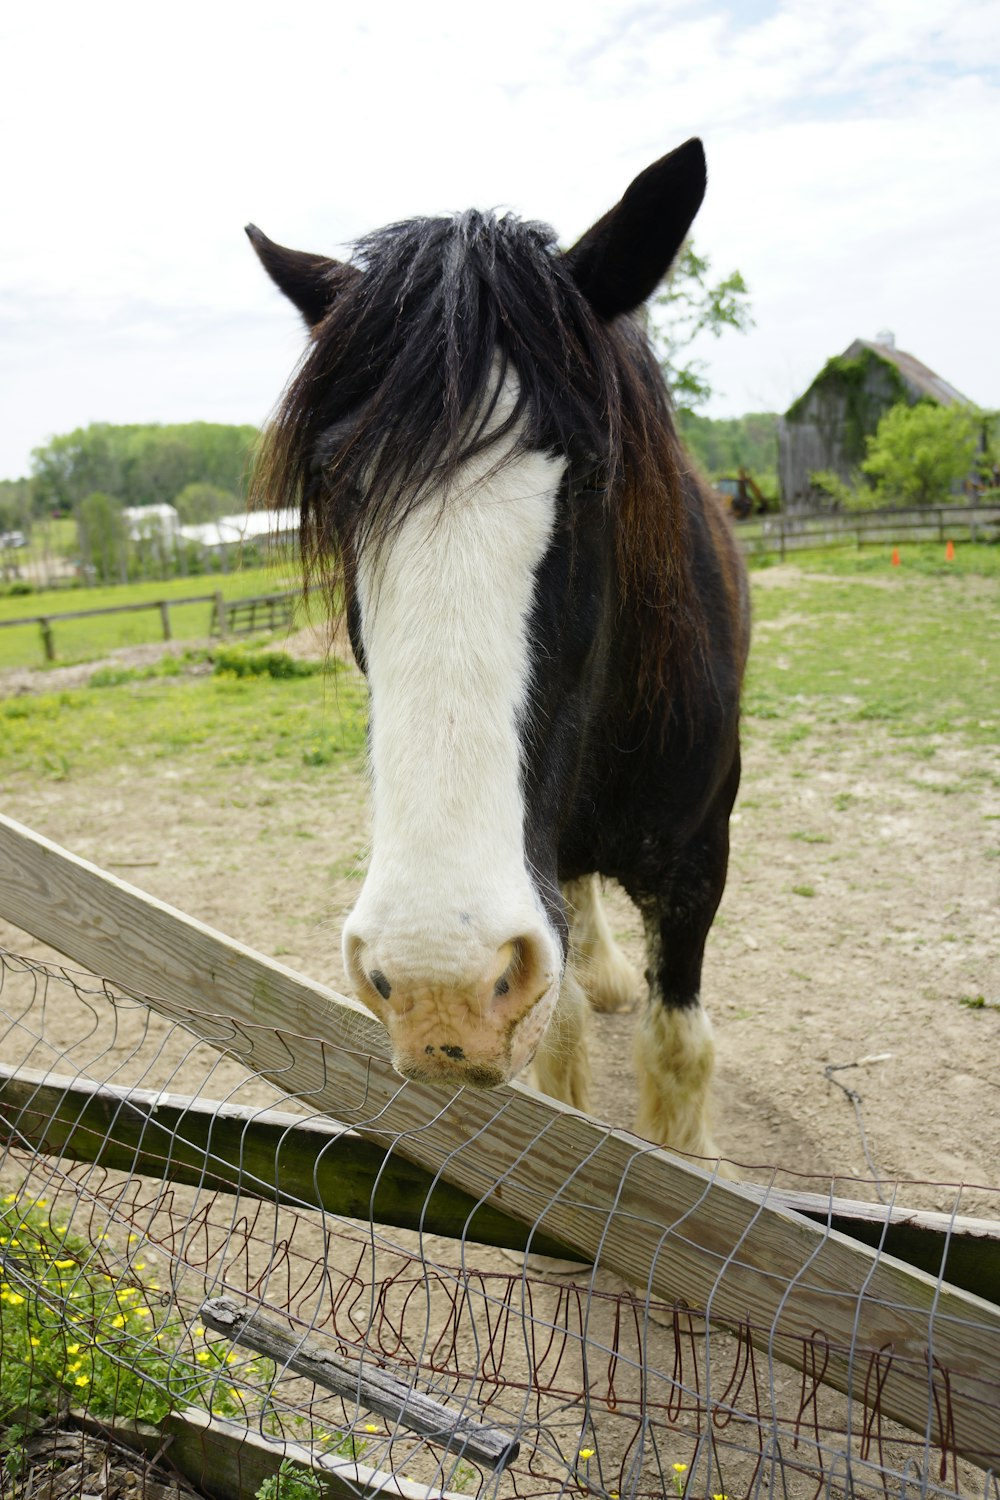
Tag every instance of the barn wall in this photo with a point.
(826, 428)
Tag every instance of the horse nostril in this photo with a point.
(380, 983)
(522, 970)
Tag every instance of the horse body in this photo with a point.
(553, 620)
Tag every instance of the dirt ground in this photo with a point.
(860, 913)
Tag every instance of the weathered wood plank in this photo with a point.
(314, 1163)
(932, 1352)
(372, 1387)
(228, 1462)
(269, 1154)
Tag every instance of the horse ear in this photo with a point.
(620, 261)
(306, 280)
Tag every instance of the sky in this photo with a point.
(853, 152)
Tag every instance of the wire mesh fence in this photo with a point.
(169, 1246)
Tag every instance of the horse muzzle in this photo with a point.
(465, 1016)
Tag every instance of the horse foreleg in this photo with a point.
(561, 1066)
(674, 1061)
(609, 980)
(674, 1048)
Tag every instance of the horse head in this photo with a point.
(461, 437)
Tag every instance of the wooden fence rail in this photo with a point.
(931, 1351)
(790, 532)
(315, 1163)
(227, 616)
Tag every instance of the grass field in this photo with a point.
(850, 638)
(84, 640)
(215, 721)
(837, 641)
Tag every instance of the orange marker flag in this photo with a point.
(949, 552)
(895, 557)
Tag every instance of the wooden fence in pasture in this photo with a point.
(227, 617)
(785, 1275)
(793, 532)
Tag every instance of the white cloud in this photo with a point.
(852, 149)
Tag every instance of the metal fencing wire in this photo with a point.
(155, 1257)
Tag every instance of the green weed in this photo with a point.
(979, 1002)
(292, 1482)
(244, 661)
(262, 718)
(77, 1332)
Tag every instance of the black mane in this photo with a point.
(401, 377)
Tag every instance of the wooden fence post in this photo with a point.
(165, 617)
(220, 612)
(47, 640)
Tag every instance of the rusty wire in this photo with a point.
(608, 1392)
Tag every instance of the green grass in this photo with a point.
(918, 657)
(273, 714)
(77, 1330)
(921, 656)
(83, 640)
(80, 1329)
(926, 559)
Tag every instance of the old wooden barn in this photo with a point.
(825, 429)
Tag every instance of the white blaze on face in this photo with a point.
(448, 908)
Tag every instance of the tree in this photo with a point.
(140, 464)
(100, 529)
(689, 305)
(205, 502)
(76, 464)
(920, 453)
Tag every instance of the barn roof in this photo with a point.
(917, 375)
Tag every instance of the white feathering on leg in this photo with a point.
(674, 1059)
(609, 980)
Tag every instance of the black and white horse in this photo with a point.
(552, 617)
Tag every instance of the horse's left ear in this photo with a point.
(620, 261)
(306, 280)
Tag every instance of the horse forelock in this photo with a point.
(397, 392)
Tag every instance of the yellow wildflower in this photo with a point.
(680, 1468)
(371, 1427)
(82, 1380)
(34, 1342)
(586, 1452)
(72, 1348)
(201, 1356)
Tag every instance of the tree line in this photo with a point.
(140, 464)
